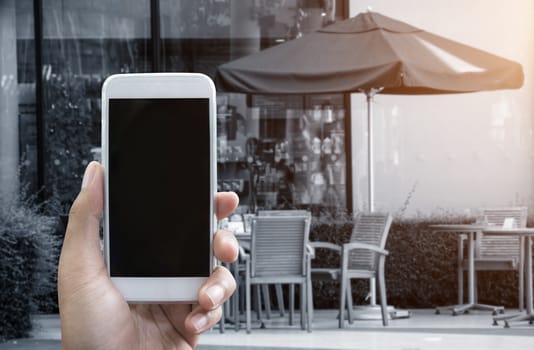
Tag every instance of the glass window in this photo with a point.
(17, 97)
(195, 35)
(83, 43)
(274, 151)
(299, 159)
(271, 149)
(26, 93)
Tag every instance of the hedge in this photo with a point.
(29, 249)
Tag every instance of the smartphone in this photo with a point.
(159, 158)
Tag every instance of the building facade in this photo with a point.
(433, 153)
(274, 151)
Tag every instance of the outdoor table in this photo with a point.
(526, 253)
(470, 230)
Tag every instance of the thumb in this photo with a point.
(81, 257)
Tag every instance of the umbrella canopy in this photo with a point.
(369, 51)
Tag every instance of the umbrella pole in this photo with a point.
(369, 94)
(370, 177)
(370, 161)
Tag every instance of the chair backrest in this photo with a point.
(497, 246)
(292, 212)
(370, 228)
(278, 246)
(247, 221)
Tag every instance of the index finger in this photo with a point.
(225, 204)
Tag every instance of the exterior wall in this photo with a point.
(452, 153)
(9, 135)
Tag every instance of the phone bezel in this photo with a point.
(158, 85)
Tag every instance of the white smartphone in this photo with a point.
(159, 158)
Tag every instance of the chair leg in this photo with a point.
(291, 303)
(309, 302)
(521, 295)
(223, 318)
(258, 301)
(247, 304)
(349, 303)
(372, 290)
(266, 300)
(382, 290)
(242, 295)
(236, 301)
(302, 306)
(460, 272)
(342, 296)
(460, 286)
(476, 285)
(280, 299)
(521, 274)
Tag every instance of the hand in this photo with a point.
(94, 315)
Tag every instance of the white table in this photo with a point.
(527, 233)
(470, 230)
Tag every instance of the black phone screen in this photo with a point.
(159, 187)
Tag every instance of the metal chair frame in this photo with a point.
(363, 257)
(278, 255)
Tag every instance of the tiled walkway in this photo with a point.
(423, 330)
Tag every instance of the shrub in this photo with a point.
(421, 265)
(29, 251)
(421, 269)
(69, 127)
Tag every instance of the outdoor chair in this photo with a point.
(364, 257)
(495, 253)
(278, 255)
(261, 291)
(278, 287)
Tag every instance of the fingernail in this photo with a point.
(88, 175)
(216, 294)
(200, 322)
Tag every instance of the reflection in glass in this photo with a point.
(9, 101)
(84, 42)
(275, 151)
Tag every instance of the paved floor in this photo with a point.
(422, 330)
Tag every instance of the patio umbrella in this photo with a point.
(369, 53)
